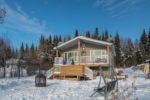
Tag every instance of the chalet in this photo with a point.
(77, 58)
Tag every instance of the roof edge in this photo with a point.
(84, 38)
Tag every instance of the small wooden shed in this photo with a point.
(147, 67)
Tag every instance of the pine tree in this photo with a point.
(136, 44)
(32, 50)
(96, 34)
(22, 51)
(42, 46)
(68, 37)
(143, 45)
(54, 41)
(27, 51)
(106, 35)
(60, 40)
(64, 39)
(143, 40)
(76, 33)
(138, 57)
(103, 36)
(88, 34)
(50, 39)
(118, 58)
(27, 48)
(57, 40)
(128, 51)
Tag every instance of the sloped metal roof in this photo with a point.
(74, 41)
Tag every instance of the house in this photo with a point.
(77, 58)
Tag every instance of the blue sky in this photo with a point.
(26, 20)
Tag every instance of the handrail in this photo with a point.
(94, 60)
(59, 60)
(103, 59)
(49, 73)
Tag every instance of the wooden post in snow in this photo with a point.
(79, 52)
(108, 53)
(56, 53)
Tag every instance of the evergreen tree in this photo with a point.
(103, 36)
(64, 39)
(22, 51)
(27, 51)
(96, 34)
(54, 41)
(136, 44)
(106, 35)
(143, 45)
(76, 33)
(118, 58)
(88, 34)
(42, 46)
(60, 40)
(138, 57)
(50, 39)
(32, 50)
(128, 50)
(68, 37)
(143, 40)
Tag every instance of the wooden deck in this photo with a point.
(72, 72)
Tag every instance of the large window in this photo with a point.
(98, 54)
(72, 55)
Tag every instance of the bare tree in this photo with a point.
(2, 15)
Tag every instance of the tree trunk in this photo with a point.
(4, 72)
(11, 72)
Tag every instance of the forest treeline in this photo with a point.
(128, 52)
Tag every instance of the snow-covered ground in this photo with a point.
(136, 86)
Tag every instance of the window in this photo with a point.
(98, 54)
(68, 56)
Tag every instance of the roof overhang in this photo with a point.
(74, 42)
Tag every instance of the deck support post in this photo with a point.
(56, 53)
(108, 53)
(79, 52)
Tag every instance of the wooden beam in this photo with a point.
(108, 53)
(79, 52)
(96, 65)
(56, 53)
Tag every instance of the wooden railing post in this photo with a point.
(79, 52)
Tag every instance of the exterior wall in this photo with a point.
(74, 48)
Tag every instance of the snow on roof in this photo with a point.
(84, 39)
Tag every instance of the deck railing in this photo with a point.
(94, 60)
(83, 60)
(58, 60)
